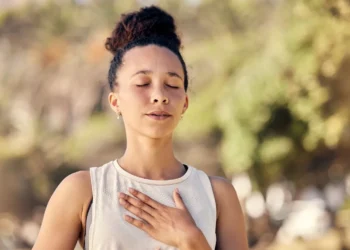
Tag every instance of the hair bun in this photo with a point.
(147, 22)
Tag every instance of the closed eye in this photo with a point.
(143, 85)
(173, 87)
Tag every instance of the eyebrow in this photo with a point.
(147, 72)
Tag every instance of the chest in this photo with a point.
(110, 231)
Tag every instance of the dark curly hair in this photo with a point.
(149, 25)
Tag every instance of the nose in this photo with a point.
(159, 97)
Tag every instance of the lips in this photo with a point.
(159, 115)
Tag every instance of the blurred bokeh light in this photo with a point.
(269, 109)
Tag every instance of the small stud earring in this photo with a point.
(118, 115)
(182, 116)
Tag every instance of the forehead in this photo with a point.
(152, 57)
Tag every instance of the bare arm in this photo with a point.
(230, 229)
(62, 221)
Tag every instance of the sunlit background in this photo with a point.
(269, 109)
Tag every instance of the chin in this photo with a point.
(153, 131)
(158, 133)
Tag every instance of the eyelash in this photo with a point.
(143, 85)
(173, 87)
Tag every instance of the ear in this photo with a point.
(114, 102)
(185, 105)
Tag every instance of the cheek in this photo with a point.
(179, 98)
(131, 99)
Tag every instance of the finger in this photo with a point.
(138, 203)
(178, 199)
(138, 223)
(146, 199)
(136, 211)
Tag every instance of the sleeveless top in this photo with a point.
(105, 225)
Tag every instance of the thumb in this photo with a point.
(178, 199)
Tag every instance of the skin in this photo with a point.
(161, 74)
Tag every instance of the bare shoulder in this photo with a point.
(62, 222)
(224, 191)
(79, 178)
(221, 183)
(223, 187)
(77, 185)
(75, 190)
(230, 226)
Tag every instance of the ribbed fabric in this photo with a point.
(106, 228)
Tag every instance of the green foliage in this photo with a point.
(269, 62)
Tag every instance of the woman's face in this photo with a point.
(150, 80)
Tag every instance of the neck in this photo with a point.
(151, 158)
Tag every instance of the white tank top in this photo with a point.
(106, 228)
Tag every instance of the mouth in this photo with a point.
(159, 115)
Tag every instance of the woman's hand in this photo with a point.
(172, 226)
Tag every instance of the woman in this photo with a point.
(146, 199)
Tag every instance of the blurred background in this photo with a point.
(269, 109)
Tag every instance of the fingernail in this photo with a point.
(120, 195)
(131, 190)
(177, 191)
